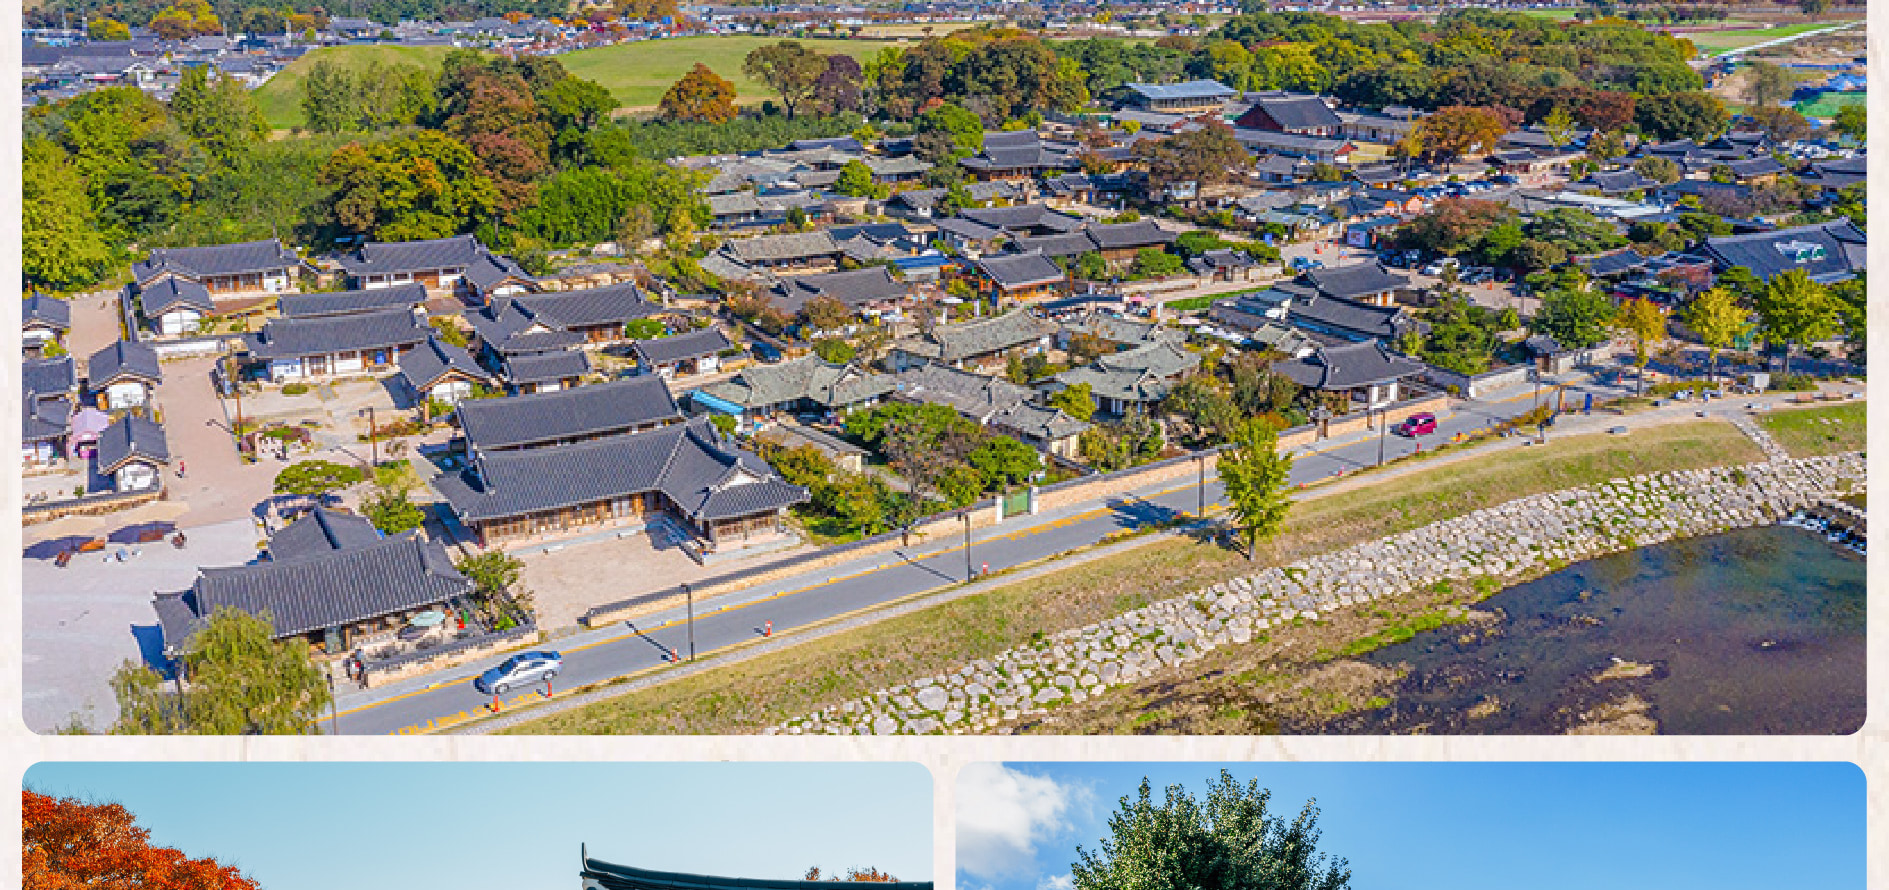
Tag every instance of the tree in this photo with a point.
(104, 29)
(1255, 474)
(834, 349)
(856, 180)
(63, 246)
(492, 572)
(1783, 123)
(1204, 157)
(69, 844)
(838, 88)
(240, 682)
(222, 117)
(316, 479)
(824, 313)
(1645, 322)
(1077, 401)
(1576, 317)
(1715, 316)
(1004, 461)
(1558, 126)
(700, 96)
(1153, 262)
(1770, 84)
(1454, 131)
(1853, 121)
(788, 68)
(1688, 115)
(645, 329)
(1661, 170)
(427, 185)
(1453, 225)
(1796, 310)
(1229, 841)
(1086, 347)
(964, 129)
(1606, 145)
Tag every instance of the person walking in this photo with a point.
(180, 469)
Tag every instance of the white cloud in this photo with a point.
(1003, 815)
(1057, 882)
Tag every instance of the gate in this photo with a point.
(1015, 503)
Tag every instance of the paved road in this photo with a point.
(441, 700)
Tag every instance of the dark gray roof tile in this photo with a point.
(681, 347)
(131, 437)
(527, 420)
(296, 337)
(350, 302)
(219, 259)
(123, 360)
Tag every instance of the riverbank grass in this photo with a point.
(770, 689)
(1826, 429)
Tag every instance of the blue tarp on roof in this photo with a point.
(717, 405)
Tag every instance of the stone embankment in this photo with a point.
(1517, 539)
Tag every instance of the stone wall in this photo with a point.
(1519, 538)
(89, 505)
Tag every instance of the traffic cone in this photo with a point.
(495, 704)
(767, 628)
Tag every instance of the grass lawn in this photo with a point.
(281, 97)
(638, 73)
(764, 691)
(1825, 429)
(1715, 42)
(1829, 103)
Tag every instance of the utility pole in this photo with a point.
(236, 388)
(1200, 485)
(1383, 430)
(334, 719)
(690, 593)
(373, 444)
(968, 575)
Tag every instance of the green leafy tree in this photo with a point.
(1796, 310)
(1153, 262)
(789, 68)
(645, 329)
(1255, 475)
(1229, 841)
(1575, 317)
(222, 116)
(427, 185)
(964, 127)
(1853, 121)
(1207, 156)
(1768, 84)
(493, 573)
(1687, 115)
(1558, 126)
(239, 681)
(316, 479)
(1715, 316)
(856, 180)
(1658, 169)
(1004, 461)
(62, 246)
(106, 29)
(1077, 401)
(393, 513)
(834, 349)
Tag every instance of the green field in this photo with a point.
(639, 73)
(1717, 42)
(1825, 429)
(281, 97)
(1828, 104)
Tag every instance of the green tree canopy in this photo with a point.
(239, 681)
(315, 478)
(1255, 475)
(427, 185)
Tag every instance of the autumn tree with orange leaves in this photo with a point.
(73, 845)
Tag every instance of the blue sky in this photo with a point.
(516, 826)
(1461, 826)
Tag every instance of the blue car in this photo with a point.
(523, 669)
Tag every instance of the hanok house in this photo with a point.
(43, 320)
(544, 420)
(696, 352)
(788, 253)
(1828, 252)
(330, 580)
(411, 297)
(175, 307)
(293, 349)
(856, 289)
(47, 387)
(591, 317)
(1368, 283)
(252, 268)
(1018, 278)
(685, 472)
(132, 453)
(441, 372)
(1192, 97)
(987, 341)
(1018, 155)
(993, 402)
(600, 875)
(1368, 374)
(1296, 115)
(1137, 379)
(124, 376)
(806, 385)
(445, 266)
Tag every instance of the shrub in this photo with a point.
(294, 389)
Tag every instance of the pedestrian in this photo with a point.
(180, 469)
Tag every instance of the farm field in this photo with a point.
(1714, 42)
(638, 73)
(281, 97)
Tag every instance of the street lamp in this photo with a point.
(689, 592)
(1383, 430)
(334, 726)
(230, 377)
(966, 515)
(1200, 485)
(373, 444)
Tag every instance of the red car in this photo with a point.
(1415, 425)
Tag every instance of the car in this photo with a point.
(1422, 423)
(1506, 179)
(1436, 268)
(523, 669)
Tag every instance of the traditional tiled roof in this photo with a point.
(1019, 218)
(1118, 236)
(1765, 166)
(1143, 374)
(47, 377)
(1038, 422)
(322, 531)
(1828, 252)
(216, 260)
(123, 360)
(854, 288)
(392, 257)
(550, 366)
(1116, 329)
(284, 338)
(546, 418)
(160, 297)
(1064, 245)
(956, 342)
(491, 270)
(44, 419)
(785, 247)
(431, 361)
(349, 302)
(1298, 112)
(131, 437)
(40, 310)
(977, 396)
(1020, 270)
(317, 591)
(1619, 181)
(1193, 89)
(1346, 318)
(1613, 262)
(809, 377)
(609, 876)
(1355, 280)
(681, 347)
(1335, 368)
(705, 476)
